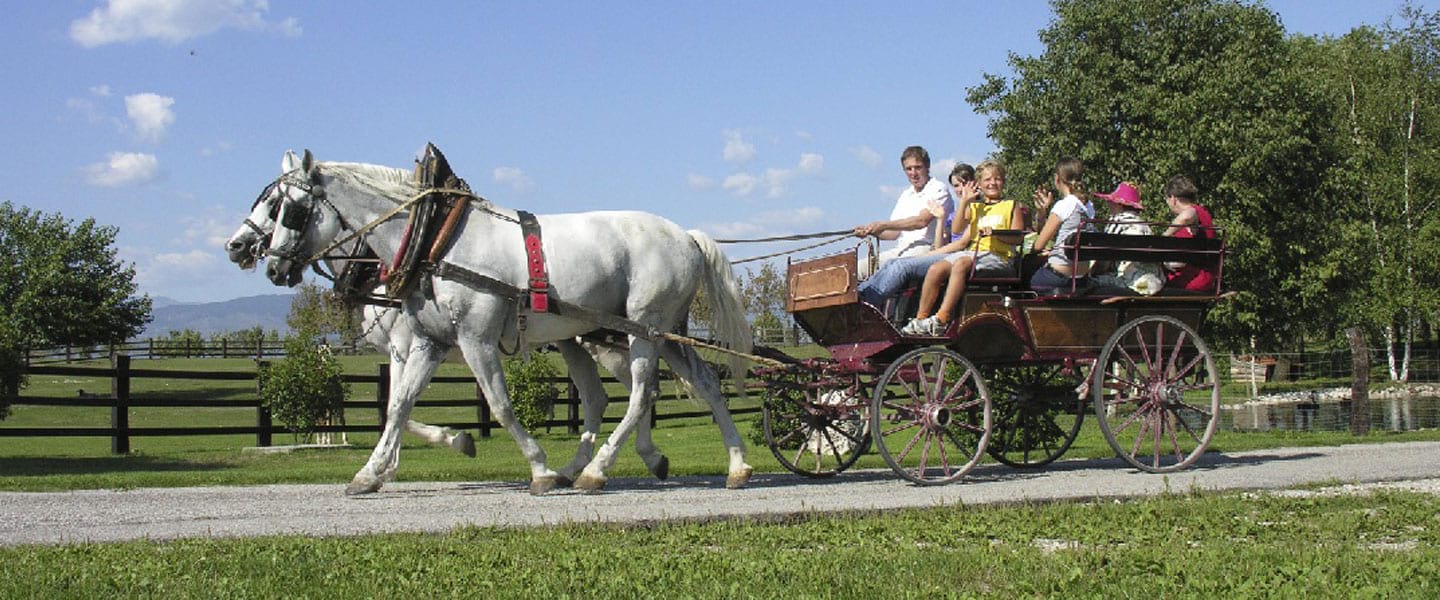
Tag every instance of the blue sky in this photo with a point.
(165, 118)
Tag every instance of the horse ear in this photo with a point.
(308, 163)
(289, 162)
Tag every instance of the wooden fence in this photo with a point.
(120, 400)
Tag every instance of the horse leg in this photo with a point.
(688, 366)
(586, 378)
(420, 366)
(460, 441)
(642, 372)
(484, 361)
(616, 360)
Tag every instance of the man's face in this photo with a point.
(917, 172)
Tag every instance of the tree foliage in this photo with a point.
(318, 309)
(1146, 90)
(63, 283)
(1387, 83)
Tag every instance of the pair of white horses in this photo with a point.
(632, 265)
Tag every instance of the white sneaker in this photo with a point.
(928, 326)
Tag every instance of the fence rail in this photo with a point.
(120, 401)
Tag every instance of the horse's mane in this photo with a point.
(389, 181)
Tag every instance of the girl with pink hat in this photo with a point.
(1140, 277)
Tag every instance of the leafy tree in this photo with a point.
(63, 286)
(1387, 83)
(321, 310)
(304, 389)
(1149, 89)
(764, 295)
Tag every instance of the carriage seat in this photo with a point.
(1095, 245)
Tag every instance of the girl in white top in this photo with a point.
(1067, 216)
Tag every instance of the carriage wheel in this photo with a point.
(815, 428)
(1037, 412)
(931, 416)
(1156, 394)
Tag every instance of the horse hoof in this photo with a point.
(739, 479)
(661, 470)
(590, 483)
(562, 480)
(359, 488)
(541, 486)
(464, 443)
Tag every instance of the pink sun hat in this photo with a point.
(1125, 194)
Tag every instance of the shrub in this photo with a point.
(531, 380)
(304, 389)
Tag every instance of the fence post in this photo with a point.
(1359, 383)
(263, 425)
(382, 391)
(224, 348)
(120, 410)
(572, 411)
(482, 410)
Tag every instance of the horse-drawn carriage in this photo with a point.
(1012, 375)
(1009, 376)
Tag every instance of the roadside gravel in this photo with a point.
(170, 513)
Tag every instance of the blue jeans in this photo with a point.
(892, 277)
(1046, 282)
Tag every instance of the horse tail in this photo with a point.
(728, 310)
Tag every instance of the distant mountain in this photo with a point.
(211, 318)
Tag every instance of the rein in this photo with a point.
(470, 196)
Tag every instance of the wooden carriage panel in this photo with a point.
(1070, 327)
(822, 282)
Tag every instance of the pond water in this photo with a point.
(1386, 414)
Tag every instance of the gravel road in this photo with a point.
(168, 513)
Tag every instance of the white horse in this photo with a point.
(631, 265)
(384, 329)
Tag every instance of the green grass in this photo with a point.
(1236, 545)
(693, 445)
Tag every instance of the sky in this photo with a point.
(744, 119)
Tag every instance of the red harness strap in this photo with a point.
(535, 262)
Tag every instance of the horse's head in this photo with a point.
(304, 223)
(248, 244)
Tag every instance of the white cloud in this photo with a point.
(804, 215)
(733, 231)
(513, 177)
(101, 90)
(868, 156)
(174, 21)
(150, 114)
(123, 169)
(221, 147)
(737, 150)
(812, 164)
(741, 184)
(699, 182)
(775, 183)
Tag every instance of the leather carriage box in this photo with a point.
(821, 282)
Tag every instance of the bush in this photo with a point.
(304, 389)
(532, 388)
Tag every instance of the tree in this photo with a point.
(764, 297)
(62, 285)
(322, 311)
(1145, 90)
(1388, 82)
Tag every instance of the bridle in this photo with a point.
(298, 212)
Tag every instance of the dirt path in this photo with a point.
(160, 513)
